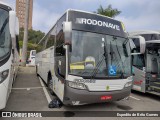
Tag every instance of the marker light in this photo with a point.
(3, 75)
(77, 85)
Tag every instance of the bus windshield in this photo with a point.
(99, 56)
(5, 39)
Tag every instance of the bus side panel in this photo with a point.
(139, 80)
(6, 86)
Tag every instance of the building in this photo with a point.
(20, 9)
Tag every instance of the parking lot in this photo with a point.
(29, 93)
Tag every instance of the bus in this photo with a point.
(146, 66)
(9, 58)
(31, 59)
(85, 58)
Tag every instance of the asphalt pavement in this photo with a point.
(29, 93)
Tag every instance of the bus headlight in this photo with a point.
(3, 75)
(77, 85)
(128, 84)
(130, 78)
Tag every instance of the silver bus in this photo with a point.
(146, 67)
(86, 58)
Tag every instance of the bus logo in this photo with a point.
(97, 23)
(107, 87)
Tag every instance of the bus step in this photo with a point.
(153, 92)
(156, 84)
(155, 88)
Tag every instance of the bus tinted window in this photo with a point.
(60, 51)
(138, 61)
(151, 36)
(40, 46)
(51, 38)
(33, 53)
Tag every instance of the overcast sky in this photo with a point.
(136, 14)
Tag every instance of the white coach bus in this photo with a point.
(9, 30)
(85, 58)
(146, 67)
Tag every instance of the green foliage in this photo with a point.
(109, 11)
(31, 46)
(33, 35)
(33, 38)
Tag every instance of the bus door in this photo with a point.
(139, 73)
(59, 66)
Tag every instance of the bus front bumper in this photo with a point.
(81, 97)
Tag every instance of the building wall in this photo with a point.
(20, 9)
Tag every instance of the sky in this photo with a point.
(135, 14)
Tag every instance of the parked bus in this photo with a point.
(9, 60)
(85, 58)
(146, 66)
(31, 59)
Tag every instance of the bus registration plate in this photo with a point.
(106, 97)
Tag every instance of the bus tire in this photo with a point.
(50, 84)
(37, 71)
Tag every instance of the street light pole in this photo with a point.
(25, 39)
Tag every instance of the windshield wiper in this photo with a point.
(104, 57)
(122, 72)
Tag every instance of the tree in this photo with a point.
(109, 11)
(33, 38)
(33, 35)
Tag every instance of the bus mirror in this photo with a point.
(67, 29)
(12, 23)
(138, 45)
(17, 26)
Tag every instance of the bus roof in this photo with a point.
(83, 12)
(90, 13)
(143, 32)
(5, 4)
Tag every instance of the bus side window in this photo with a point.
(51, 38)
(60, 51)
(40, 47)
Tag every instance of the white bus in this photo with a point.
(85, 58)
(31, 59)
(9, 29)
(146, 67)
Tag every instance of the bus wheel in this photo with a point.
(37, 71)
(50, 85)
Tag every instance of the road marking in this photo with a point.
(45, 91)
(28, 88)
(134, 98)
